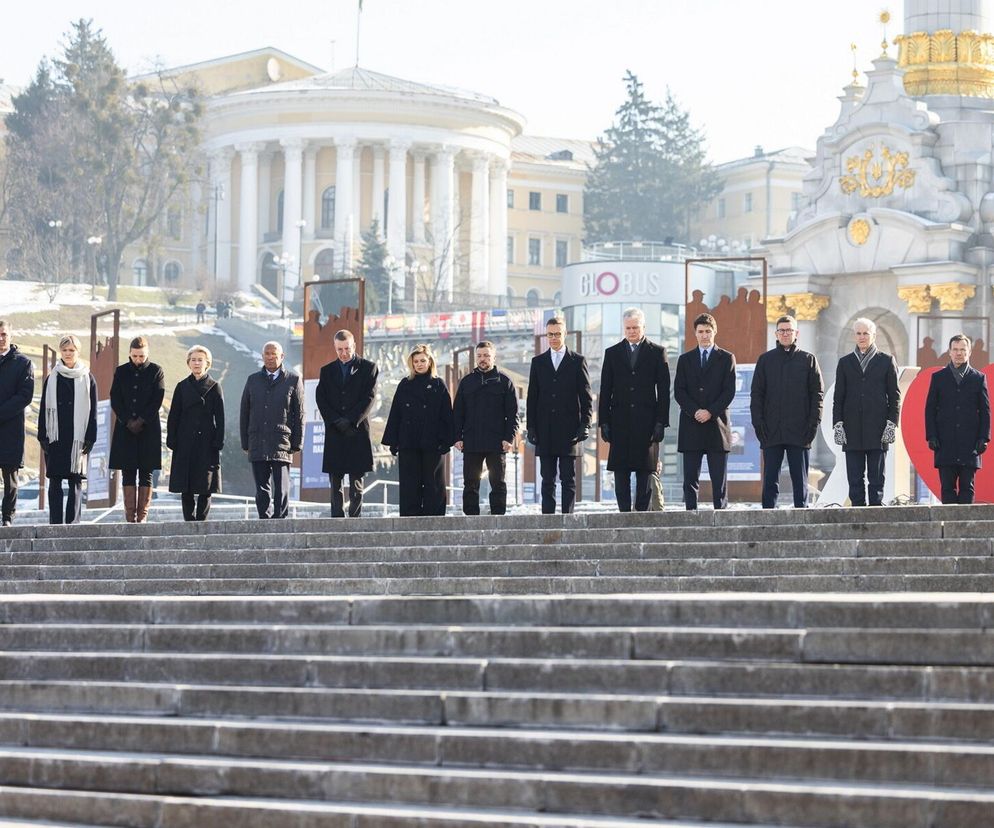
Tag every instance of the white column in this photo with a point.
(479, 227)
(293, 149)
(357, 227)
(344, 165)
(220, 202)
(397, 209)
(310, 186)
(418, 198)
(248, 214)
(265, 192)
(442, 221)
(376, 214)
(498, 228)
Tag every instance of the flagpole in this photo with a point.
(358, 21)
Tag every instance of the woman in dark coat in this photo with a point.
(136, 448)
(420, 431)
(195, 434)
(67, 429)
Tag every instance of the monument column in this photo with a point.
(293, 169)
(310, 186)
(248, 214)
(418, 197)
(479, 227)
(442, 173)
(344, 204)
(498, 228)
(397, 210)
(220, 197)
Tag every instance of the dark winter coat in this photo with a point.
(137, 392)
(350, 397)
(633, 402)
(420, 416)
(58, 456)
(485, 411)
(17, 387)
(713, 390)
(272, 416)
(957, 416)
(559, 404)
(195, 434)
(786, 397)
(865, 401)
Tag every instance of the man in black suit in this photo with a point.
(958, 421)
(345, 395)
(864, 413)
(559, 410)
(704, 388)
(633, 410)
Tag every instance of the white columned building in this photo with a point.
(344, 211)
(248, 213)
(479, 226)
(442, 226)
(220, 196)
(418, 197)
(310, 187)
(292, 171)
(498, 228)
(397, 209)
(265, 192)
(376, 209)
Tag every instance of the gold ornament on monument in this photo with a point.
(946, 63)
(859, 231)
(877, 178)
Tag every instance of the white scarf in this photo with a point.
(80, 375)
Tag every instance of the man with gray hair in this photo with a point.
(633, 410)
(864, 413)
(272, 429)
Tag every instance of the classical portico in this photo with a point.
(311, 164)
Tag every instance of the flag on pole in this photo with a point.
(360, 5)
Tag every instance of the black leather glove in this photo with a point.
(342, 425)
(394, 450)
(658, 432)
(582, 433)
(933, 444)
(136, 425)
(532, 437)
(606, 433)
(981, 446)
(87, 445)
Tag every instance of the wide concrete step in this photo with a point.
(824, 645)
(163, 811)
(855, 718)
(596, 794)
(569, 675)
(917, 763)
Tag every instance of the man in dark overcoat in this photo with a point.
(958, 421)
(17, 387)
(559, 411)
(485, 413)
(785, 402)
(345, 395)
(704, 389)
(864, 413)
(272, 429)
(633, 409)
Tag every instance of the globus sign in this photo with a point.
(588, 282)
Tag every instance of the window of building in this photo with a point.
(562, 203)
(534, 201)
(328, 208)
(747, 207)
(721, 208)
(510, 249)
(510, 198)
(534, 251)
(139, 269)
(562, 253)
(533, 298)
(324, 263)
(171, 272)
(174, 223)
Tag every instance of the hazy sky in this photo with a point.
(763, 72)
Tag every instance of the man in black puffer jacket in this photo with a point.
(486, 420)
(17, 387)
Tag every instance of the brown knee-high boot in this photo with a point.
(130, 502)
(144, 498)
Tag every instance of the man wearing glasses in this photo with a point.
(786, 403)
(559, 410)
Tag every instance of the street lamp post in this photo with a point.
(55, 225)
(390, 265)
(283, 263)
(93, 242)
(416, 270)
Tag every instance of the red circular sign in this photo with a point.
(599, 283)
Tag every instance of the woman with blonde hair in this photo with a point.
(67, 429)
(420, 432)
(195, 433)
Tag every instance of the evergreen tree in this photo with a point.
(107, 155)
(373, 267)
(650, 176)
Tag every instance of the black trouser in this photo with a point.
(957, 483)
(272, 488)
(10, 482)
(338, 497)
(717, 471)
(623, 489)
(422, 482)
(472, 470)
(797, 460)
(74, 501)
(130, 476)
(862, 468)
(203, 506)
(566, 464)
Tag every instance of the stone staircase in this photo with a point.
(818, 669)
